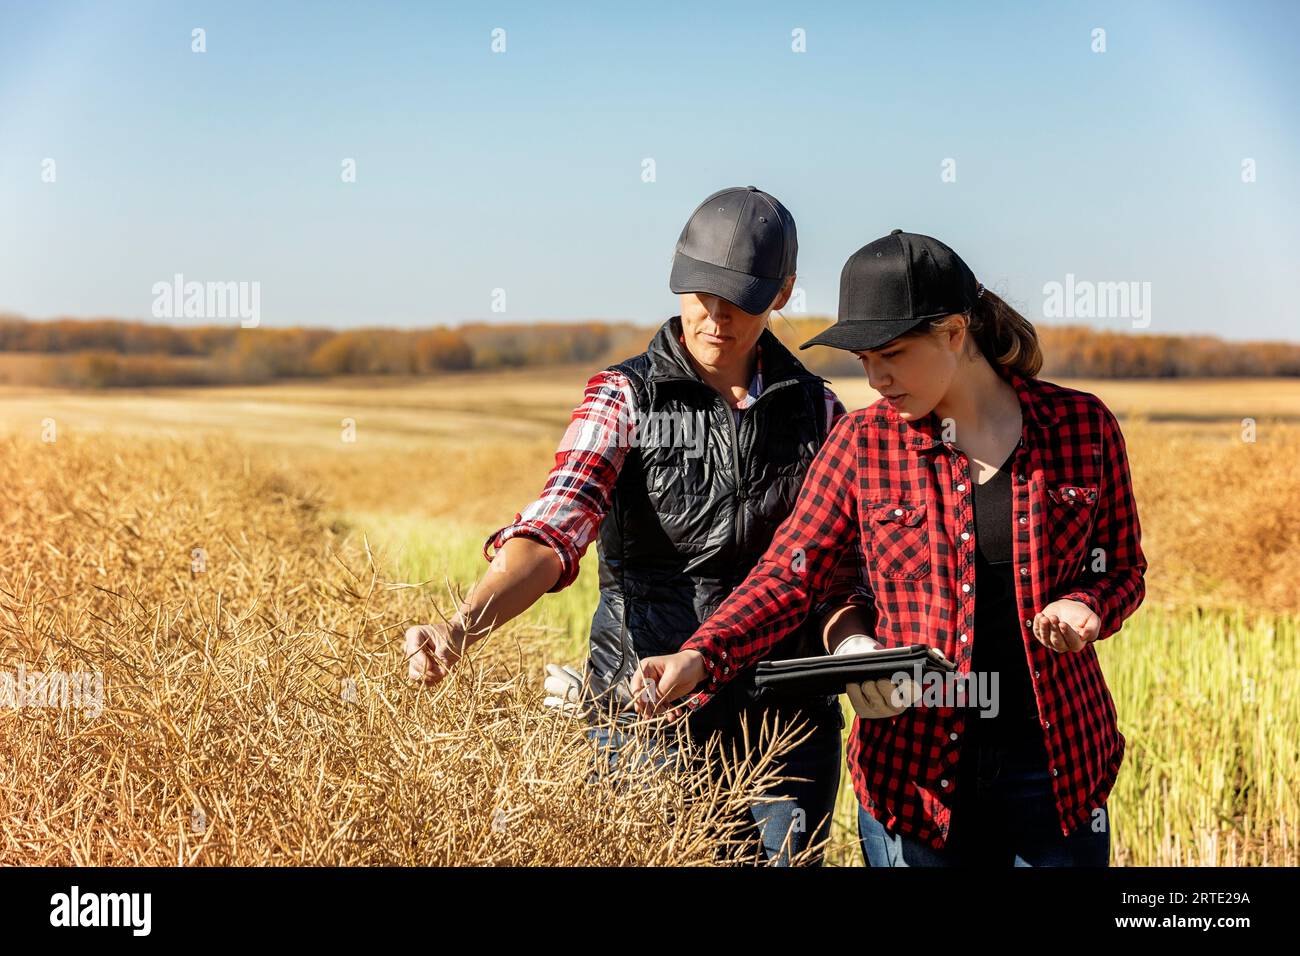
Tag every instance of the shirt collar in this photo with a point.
(1035, 406)
(755, 384)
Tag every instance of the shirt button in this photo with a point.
(944, 783)
(1029, 624)
(1053, 771)
(1024, 520)
(961, 487)
(952, 736)
(962, 638)
(965, 535)
(1047, 724)
(898, 511)
(1035, 675)
(1072, 492)
(1024, 570)
(966, 588)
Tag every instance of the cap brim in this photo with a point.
(860, 336)
(753, 294)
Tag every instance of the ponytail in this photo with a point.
(1003, 335)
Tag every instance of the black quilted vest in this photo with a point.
(687, 524)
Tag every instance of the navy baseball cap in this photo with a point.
(892, 285)
(739, 244)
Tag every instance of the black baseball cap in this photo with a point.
(892, 285)
(739, 244)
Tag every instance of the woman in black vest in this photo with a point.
(683, 461)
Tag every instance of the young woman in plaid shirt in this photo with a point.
(995, 515)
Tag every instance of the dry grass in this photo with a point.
(253, 709)
(227, 689)
(1220, 515)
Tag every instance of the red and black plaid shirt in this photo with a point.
(903, 494)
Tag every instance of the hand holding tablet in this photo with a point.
(861, 669)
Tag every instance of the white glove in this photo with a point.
(876, 698)
(563, 687)
(857, 644)
(563, 690)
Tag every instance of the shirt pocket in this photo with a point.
(1071, 512)
(900, 541)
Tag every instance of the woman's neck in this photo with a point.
(978, 400)
(730, 381)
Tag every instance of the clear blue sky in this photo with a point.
(522, 170)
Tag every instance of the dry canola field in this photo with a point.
(239, 564)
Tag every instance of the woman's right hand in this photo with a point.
(661, 680)
(431, 651)
(521, 572)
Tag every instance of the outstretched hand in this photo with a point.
(1066, 626)
(431, 652)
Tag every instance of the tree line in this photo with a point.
(1077, 351)
(100, 353)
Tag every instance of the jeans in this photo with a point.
(1004, 815)
(781, 827)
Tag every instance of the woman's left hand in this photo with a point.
(1066, 626)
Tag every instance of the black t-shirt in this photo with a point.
(998, 645)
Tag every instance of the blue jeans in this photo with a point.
(782, 827)
(1007, 817)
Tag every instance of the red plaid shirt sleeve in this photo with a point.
(575, 498)
(798, 568)
(1114, 591)
(847, 584)
(848, 587)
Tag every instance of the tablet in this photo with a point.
(829, 673)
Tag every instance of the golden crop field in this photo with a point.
(240, 564)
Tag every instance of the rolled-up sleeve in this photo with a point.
(566, 516)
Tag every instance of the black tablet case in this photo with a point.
(829, 674)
